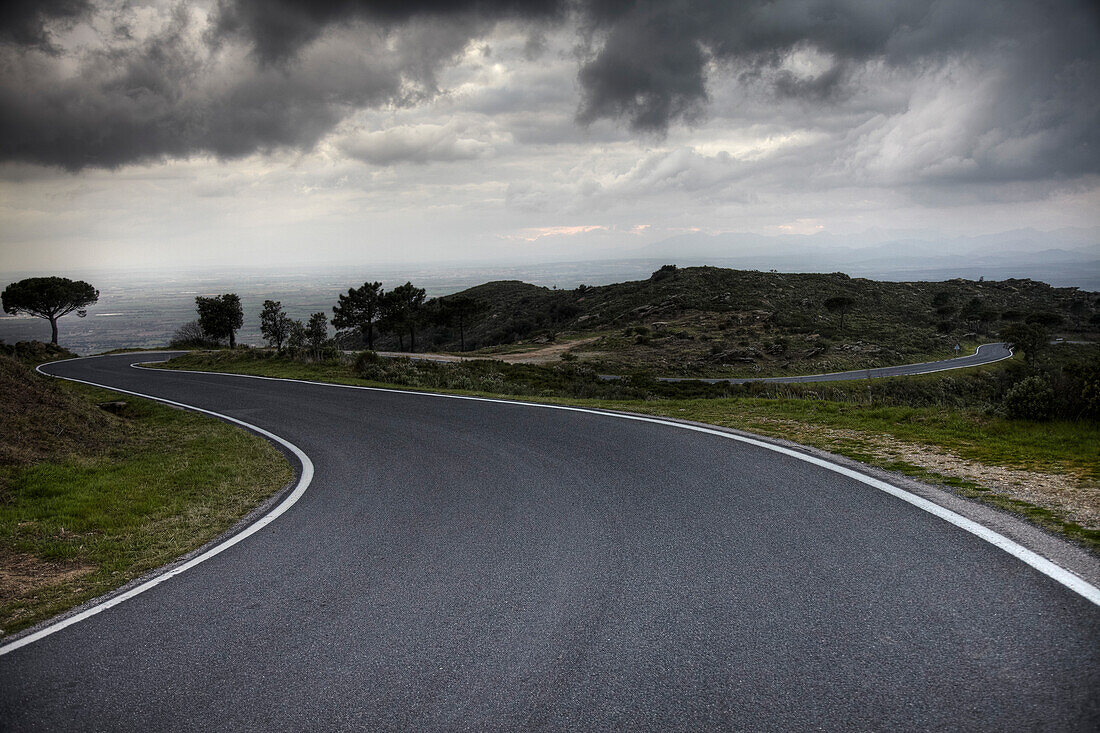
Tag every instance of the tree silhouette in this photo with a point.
(403, 311)
(296, 338)
(1030, 338)
(274, 323)
(841, 304)
(317, 332)
(360, 308)
(221, 316)
(49, 298)
(459, 311)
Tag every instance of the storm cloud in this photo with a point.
(277, 29)
(25, 22)
(248, 76)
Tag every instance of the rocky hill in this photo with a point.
(750, 322)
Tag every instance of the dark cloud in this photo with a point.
(648, 63)
(649, 69)
(26, 22)
(166, 97)
(267, 74)
(650, 57)
(277, 29)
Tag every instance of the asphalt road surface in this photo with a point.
(471, 565)
(985, 354)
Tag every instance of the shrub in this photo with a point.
(1046, 319)
(364, 358)
(1029, 399)
(191, 336)
(663, 273)
(1090, 391)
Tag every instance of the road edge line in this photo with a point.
(304, 479)
(854, 372)
(1031, 558)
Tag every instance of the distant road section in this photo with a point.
(985, 354)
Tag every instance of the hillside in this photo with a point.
(720, 321)
(42, 419)
(96, 491)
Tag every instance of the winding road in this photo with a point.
(984, 354)
(471, 564)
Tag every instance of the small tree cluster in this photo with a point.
(220, 316)
(403, 312)
(359, 310)
(458, 312)
(399, 312)
(275, 324)
(316, 333)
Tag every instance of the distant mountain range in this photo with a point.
(1065, 257)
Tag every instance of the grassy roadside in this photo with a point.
(1048, 472)
(91, 499)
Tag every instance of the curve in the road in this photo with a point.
(1040, 563)
(305, 475)
(984, 354)
(460, 564)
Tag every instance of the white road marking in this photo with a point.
(299, 490)
(1033, 559)
(1053, 571)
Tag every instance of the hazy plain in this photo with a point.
(143, 309)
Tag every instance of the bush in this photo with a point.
(1032, 398)
(191, 336)
(664, 273)
(35, 352)
(364, 358)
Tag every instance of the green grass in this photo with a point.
(165, 482)
(1057, 447)
(1054, 446)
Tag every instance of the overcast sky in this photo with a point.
(270, 132)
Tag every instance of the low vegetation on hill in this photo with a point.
(695, 321)
(97, 488)
(708, 321)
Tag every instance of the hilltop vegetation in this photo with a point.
(714, 321)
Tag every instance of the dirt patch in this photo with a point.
(1075, 498)
(547, 354)
(22, 574)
